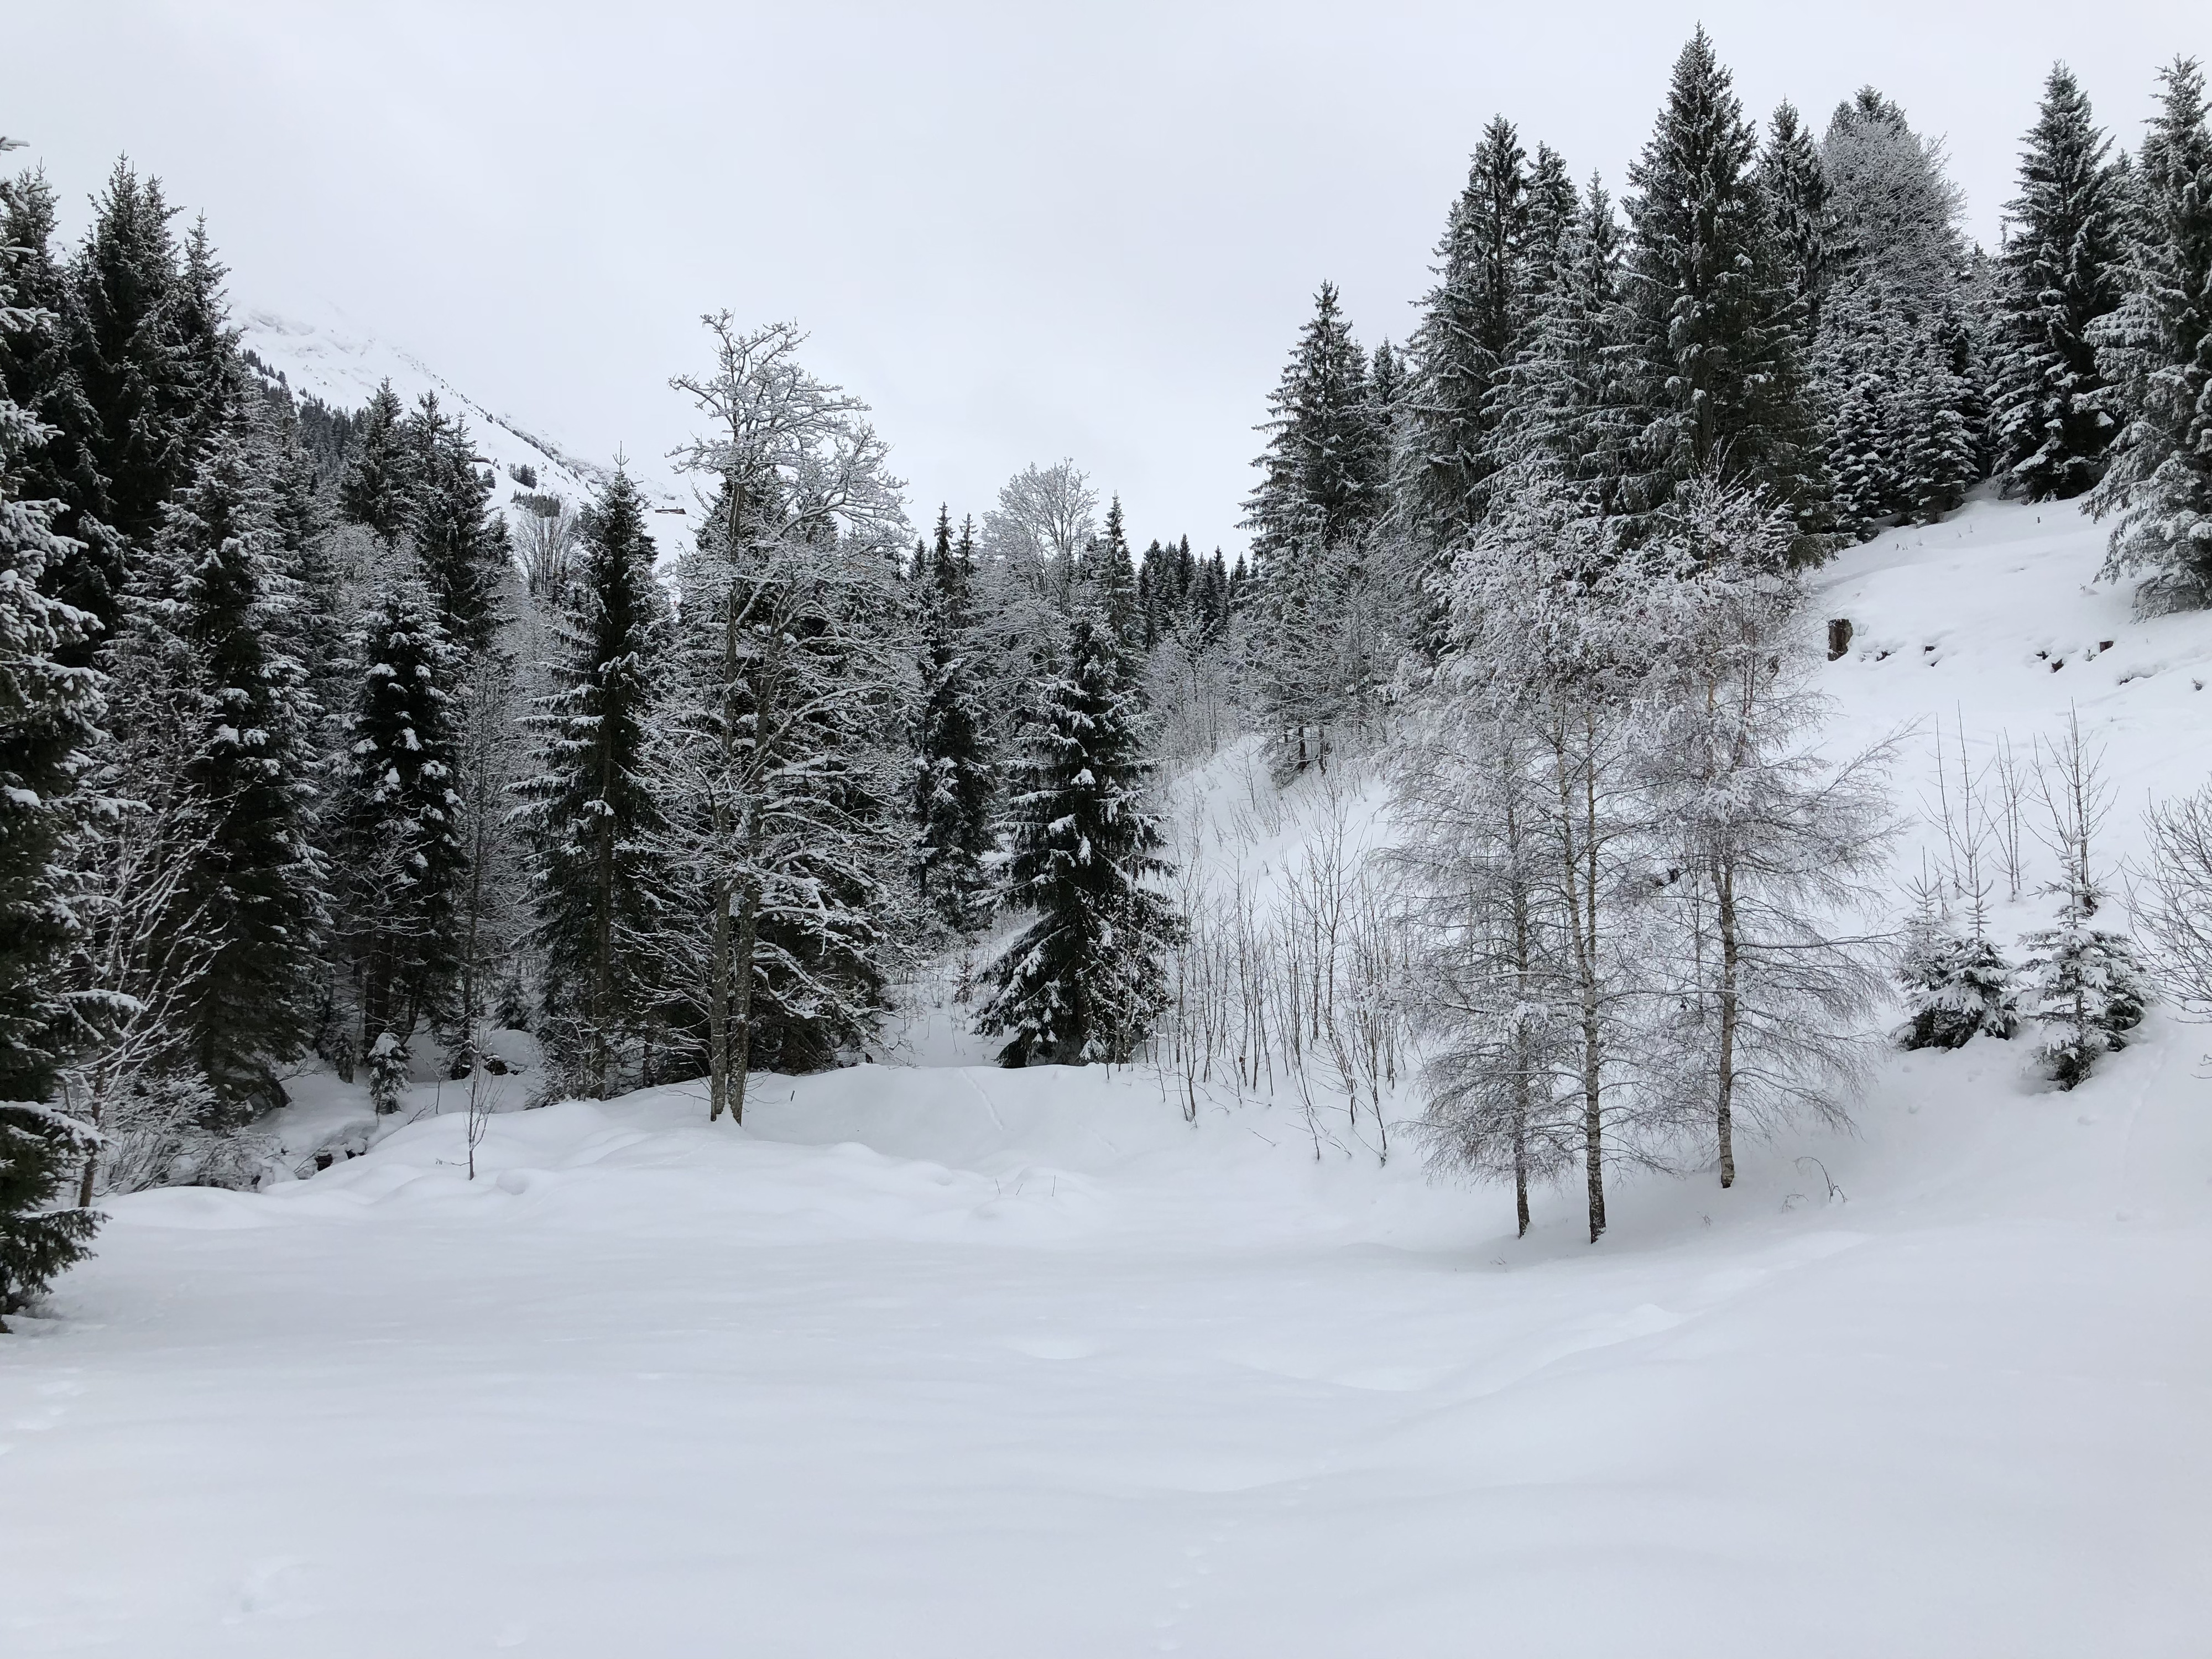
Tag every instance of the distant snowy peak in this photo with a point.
(342, 366)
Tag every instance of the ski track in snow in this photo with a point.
(932, 1362)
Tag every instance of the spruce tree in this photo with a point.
(376, 490)
(140, 378)
(210, 667)
(952, 775)
(2061, 269)
(38, 372)
(461, 541)
(1323, 476)
(2156, 352)
(1709, 343)
(1111, 578)
(1797, 186)
(397, 831)
(1082, 982)
(1464, 344)
(1564, 410)
(48, 711)
(587, 811)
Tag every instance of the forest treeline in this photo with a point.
(324, 741)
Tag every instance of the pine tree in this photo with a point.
(588, 810)
(1710, 342)
(38, 372)
(2156, 353)
(139, 377)
(397, 828)
(376, 490)
(461, 541)
(1797, 188)
(1903, 441)
(1957, 985)
(1564, 410)
(1322, 473)
(48, 715)
(2061, 269)
(207, 672)
(1111, 579)
(1464, 344)
(952, 775)
(1082, 982)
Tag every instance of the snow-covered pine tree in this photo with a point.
(1564, 415)
(461, 541)
(1903, 442)
(2155, 352)
(1110, 582)
(1463, 346)
(587, 811)
(1082, 982)
(377, 489)
(395, 825)
(2086, 988)
(2062, 273)
(953, 773)
(131, 359)
(219, 735)
(1796, 183)
(48, 715)
(1322, 475)
(1709, 343)
(1956, 984)
(38, 372)
(1323, 486)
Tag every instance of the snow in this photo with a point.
(333, 358)
(946, 1360)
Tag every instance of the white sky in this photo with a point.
(1020, 232)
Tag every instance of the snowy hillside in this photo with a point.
(342, 365)
(970, 1362)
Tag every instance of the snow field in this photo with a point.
(969, 1362)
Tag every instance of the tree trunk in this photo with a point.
(1724, 884)
(741, 968)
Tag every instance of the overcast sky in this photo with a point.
(1020, 232)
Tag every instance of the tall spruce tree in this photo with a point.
(1082, 982)
(140, 376)
(208, 669)
(396, 824)
(587, 811)
(38, 372)
(1797, 186)
(952, 772)
(2156, 353)
(1463, 345)
(2062, 274)
(461, 541)
(1710, 340)
(48, 715)
(1322, 475)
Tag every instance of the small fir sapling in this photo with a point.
(2086, 985)
(387, 1073)
(1957, 986)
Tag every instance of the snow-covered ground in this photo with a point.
(966, 1362)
